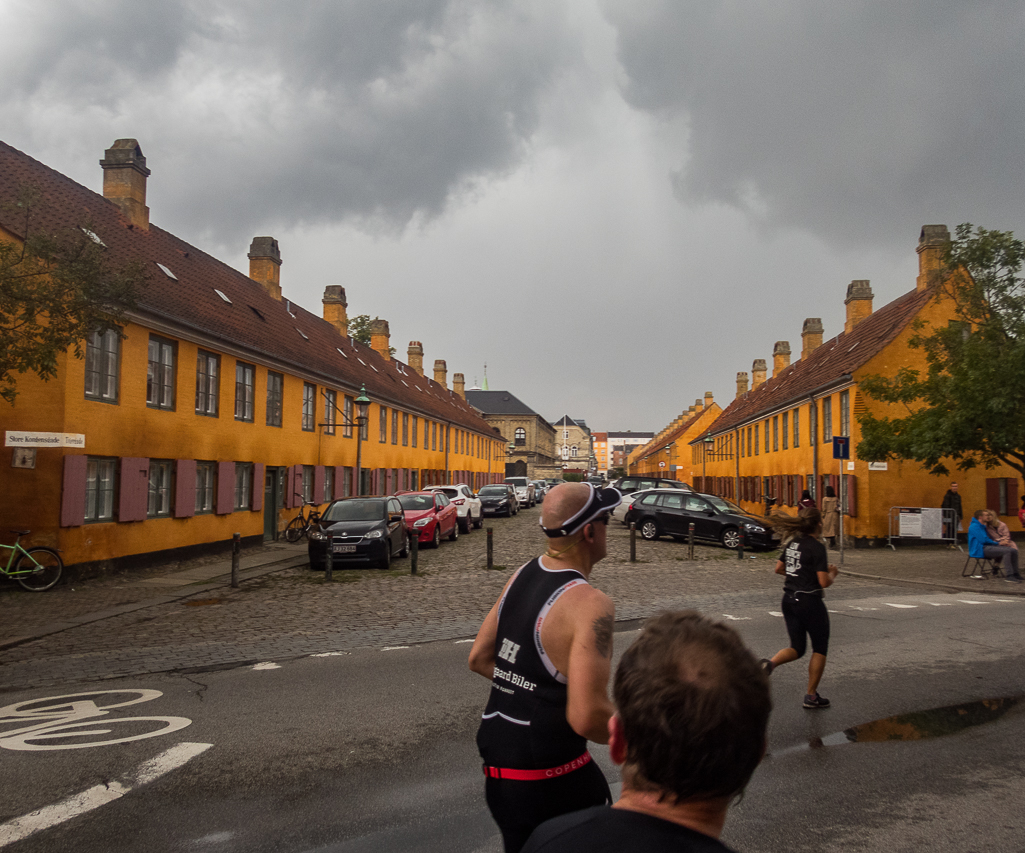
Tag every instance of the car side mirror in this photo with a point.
(395, 516)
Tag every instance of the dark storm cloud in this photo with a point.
(851, 120)
(299, 113)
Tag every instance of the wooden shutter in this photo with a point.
(184, 488)
(134, 487)
(73, 493)
(993, 494)
(225, 488)
(1012, 496)
(851, 495)
(259, 475)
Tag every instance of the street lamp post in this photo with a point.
(705, 443)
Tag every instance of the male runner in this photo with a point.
(546, 646)
(692, 708)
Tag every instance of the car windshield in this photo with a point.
(493, 490)
(452, 493)
(417, 502)
(723, 505)
(355, 511)
(516, 481)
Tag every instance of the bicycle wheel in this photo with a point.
(295, 530)
(38, 569)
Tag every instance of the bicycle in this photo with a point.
(300, 526)
(37, 569)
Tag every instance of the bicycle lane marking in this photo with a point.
(99, 795)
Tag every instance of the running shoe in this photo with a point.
(813, 700)
(1013, 579)
(766, 666)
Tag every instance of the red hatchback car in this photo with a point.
(429, 516)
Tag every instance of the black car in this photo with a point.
(360, 530)
(714, 519)
(498, 499)
(628, 485)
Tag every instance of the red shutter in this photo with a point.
(798, 485)
(225, 488)
(1012, 496)
(318, 484)
(134, 489)
(993, 494)
(184, 488)
(851, 493)
(259, 486)
(73, 494)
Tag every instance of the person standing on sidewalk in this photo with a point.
(546, 647)
(952, 500)
(830, 517)
(808, 573)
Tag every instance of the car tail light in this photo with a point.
(458, 501)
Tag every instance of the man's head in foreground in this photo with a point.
(692, 707)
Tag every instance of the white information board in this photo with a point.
(21, 438)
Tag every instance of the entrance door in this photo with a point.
(273, 501)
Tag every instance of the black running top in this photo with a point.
(524, 724)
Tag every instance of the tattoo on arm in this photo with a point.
(603, 626)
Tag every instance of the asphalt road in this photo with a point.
(372, 750)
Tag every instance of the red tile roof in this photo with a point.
(280, 334)
(832, 361)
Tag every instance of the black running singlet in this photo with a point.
(524, 724)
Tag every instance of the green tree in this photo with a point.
(968, 405)
(359, 329)
(55, 289)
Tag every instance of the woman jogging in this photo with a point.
(804, 563)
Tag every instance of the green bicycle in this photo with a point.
(35, 568)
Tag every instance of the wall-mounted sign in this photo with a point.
(877, 466)
(15, 438)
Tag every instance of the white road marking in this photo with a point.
(775, 613)
(736, 618)
(98, 795)
(969, 601)
(902, 606)
(457, 642)
(853, 607)
(1008, 600)
(940, 603)
(393, 648)
(266, 665)
(328, 654)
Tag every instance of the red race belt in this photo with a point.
(537, 775)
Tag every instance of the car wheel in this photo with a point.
(730, 538)
(649, 529)
(454, 535)
(479, 523)
(436, 541)
(466, 523)
(385, 561)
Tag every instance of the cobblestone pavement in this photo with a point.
(185, 618)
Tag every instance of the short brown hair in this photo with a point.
(694, 705)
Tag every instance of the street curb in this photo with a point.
(195, 588)
(935, 584)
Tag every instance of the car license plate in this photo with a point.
(343, 549)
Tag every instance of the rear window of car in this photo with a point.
(452, 493)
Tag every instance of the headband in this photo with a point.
(599, 501)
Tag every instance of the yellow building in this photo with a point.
(222, 406)
(668, 454)
(776, 438)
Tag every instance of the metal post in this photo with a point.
(236, 554)
(329, 562)
(414, 553)
(359, 459)
(690, 540)
(842, 507)
(491, 548)
(740, 545)
(633, 541)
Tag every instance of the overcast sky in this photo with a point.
(616, 205)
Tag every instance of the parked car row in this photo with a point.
(374, 530)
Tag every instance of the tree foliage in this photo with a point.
(55, 289)
(359, 330)
(968, 405)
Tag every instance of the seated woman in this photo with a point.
(999, 531)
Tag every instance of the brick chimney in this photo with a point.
(757, 373)
(335, 308)
(124, 181)
(932, 244)
(415, 356)
(858, 302)
(811, 336)
(441, 373)
(265, 265)
(741, 384)
(380, 338)
(780, 357)
(459, 384)
(708, 399)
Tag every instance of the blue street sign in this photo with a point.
(841, 447)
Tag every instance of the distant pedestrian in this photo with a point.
(808, 573)
(952, 501)
(806, 501)
(830, 517)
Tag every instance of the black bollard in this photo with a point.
(633, 541)
(236, 554)
(414, 553)
(491, 548)
(690, 541)
(329, 563)
(740, 546)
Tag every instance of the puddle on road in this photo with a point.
(917, 725)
